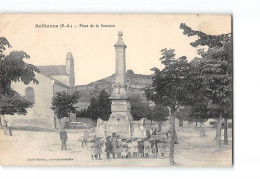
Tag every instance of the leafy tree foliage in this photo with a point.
(213, 70)
(139, 108)
(170, 86)
(63, 103)
(13, 103)
(14, 69)
(210, 41)
(100, 107)
(183, 113)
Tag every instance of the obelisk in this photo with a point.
(120, 118)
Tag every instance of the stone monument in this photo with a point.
(121, 120)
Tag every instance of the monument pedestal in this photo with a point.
(120, 119)
(121, 122)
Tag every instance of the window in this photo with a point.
(29, 94)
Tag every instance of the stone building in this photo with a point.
(52, 78)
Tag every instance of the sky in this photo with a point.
(93, 47)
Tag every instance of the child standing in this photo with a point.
(93, 149)
(130, 148)
(123, 143)
(98, 148)
(147, 148)
(114, 145)
(124, 152)
(118, 145)
(135, 148)
(159, 146)
(140, 148)
(162, 148)
(109, 148)
(154, 148)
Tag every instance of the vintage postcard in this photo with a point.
(139, 90)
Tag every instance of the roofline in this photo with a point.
(55, 81)
(53, 66)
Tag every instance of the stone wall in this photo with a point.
(40, 114)
(87, 121)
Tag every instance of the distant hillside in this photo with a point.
(137, 83)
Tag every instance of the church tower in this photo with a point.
(70, 69)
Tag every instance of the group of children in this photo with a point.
(143, 148)
(115, 147)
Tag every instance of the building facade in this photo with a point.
(52, 78)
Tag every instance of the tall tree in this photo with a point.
(14, 69)
(170, 87)
(139, 108)
(100, 107)
(199, 103)
(216, 70)
(63, 103)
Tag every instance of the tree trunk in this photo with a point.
(60, 123)
(160, 127)
(216, 127)
(180, 122)
(225, 131)
(1, 125)
(55, 122)
(196, 126)
(173, 137)
(170, 112)
(202, 130)
(2, 118)
(218, 132)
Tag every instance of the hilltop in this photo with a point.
(137, 84)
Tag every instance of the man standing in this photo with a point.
(63, 138)
(7, 130)
(5, 127)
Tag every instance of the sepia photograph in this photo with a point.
(124, 90)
